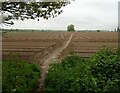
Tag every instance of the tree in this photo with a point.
(70, 28)
(118, 29)
(31, 10)
(98, 30)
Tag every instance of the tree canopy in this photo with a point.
(71, 28)
(31, 10)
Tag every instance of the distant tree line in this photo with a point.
(10, 30)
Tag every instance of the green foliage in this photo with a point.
(19, 76)
(98, 30)
(98, 73)
(31, 10)
(70, 28)
(106, 69)
(71, 75)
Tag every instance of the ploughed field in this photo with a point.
(88, 43)
(37, 46)
(32, 46)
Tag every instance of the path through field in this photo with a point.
(47, 62)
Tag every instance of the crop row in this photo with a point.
(83, 43)
(35, 35)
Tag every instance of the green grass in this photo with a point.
(98, 73)
(19, 75)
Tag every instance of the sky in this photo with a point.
(83, 14)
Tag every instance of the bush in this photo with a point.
(71, 75)
(98, 73)
(106, 71)
(19, 76)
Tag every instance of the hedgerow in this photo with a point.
(106, 70)
(19, 76)
(101, 72)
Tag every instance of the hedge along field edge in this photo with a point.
(19, 75)
(75, 73)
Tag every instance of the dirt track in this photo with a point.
(47, 62)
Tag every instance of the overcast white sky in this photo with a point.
(84, 14)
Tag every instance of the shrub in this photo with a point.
(19, 76)
(71, 75)
(106, 71)
(98, 73)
